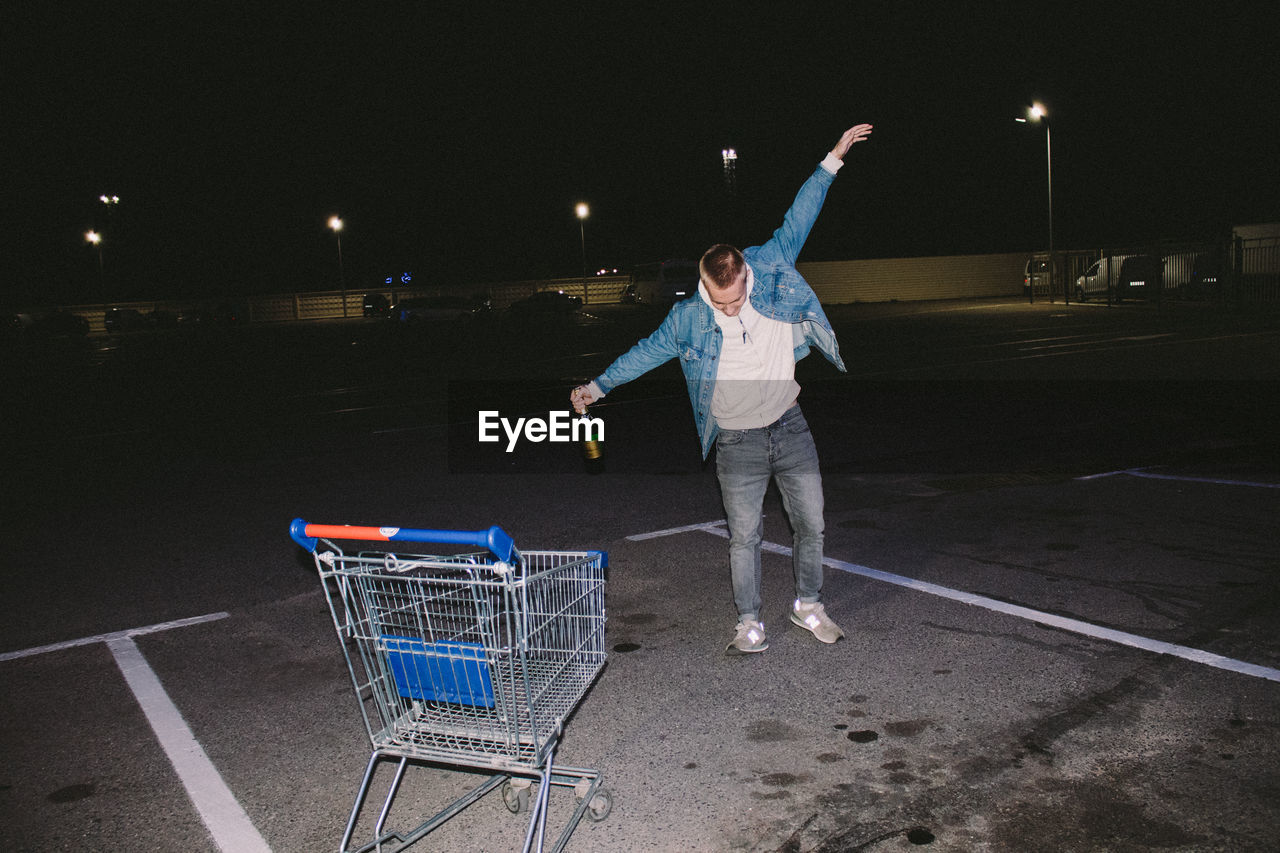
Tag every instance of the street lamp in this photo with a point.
(582, 210)
(1038, 113)
(95, 239)
(335, 222)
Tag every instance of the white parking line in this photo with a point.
(1038, 616)
(222, 814)
(1145, 473)
(670, 531)
(106, 638)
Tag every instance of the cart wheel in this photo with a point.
(600, 806)
(516, 799)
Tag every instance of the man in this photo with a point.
(738, 343)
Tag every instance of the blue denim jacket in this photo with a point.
(690, 333)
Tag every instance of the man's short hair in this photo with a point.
(721, 265)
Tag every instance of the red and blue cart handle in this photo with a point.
(494, 539)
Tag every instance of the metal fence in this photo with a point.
(1236, 272)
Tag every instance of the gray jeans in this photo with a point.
(746, 460)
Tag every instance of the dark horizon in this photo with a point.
(455, 144)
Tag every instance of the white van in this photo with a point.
(1124, 276)
(664, 283)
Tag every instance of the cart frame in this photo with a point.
(471, 661)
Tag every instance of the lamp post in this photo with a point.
(582, 210)
(94, 239)
(335, 222)
(110, 202)
(1038, 113)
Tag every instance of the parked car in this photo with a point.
(547, 302)
(376, 305)
(123, 320)
(57, 323)
(17, 324)
(420, 309)
(664, 283)
(1124, 276)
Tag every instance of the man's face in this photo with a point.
(729, 300)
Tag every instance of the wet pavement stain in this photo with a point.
(864, 736)
(1084, 812)
(906, 728)
(829, 757)
(623, 648)
(770, 731)
(71, 793)
(776, 795)
(920, 835)
(1041, 738)
(781, 780)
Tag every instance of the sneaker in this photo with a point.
(748, 637)
(813, 618)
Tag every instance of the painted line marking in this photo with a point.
(1146, 474)
(106, 638)
(222, 814)
(1075, 626)
(671, 531)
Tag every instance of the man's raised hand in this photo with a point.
(857, 133)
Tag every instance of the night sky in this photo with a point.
(455, 138)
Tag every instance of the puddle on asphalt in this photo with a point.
(920, 835)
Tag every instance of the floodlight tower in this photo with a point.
(729, 157)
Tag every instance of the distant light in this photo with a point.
(1022, 120)
(729, 154)
(335, 223)
(582, 210)
(112, 199)
(93, 237)
(1038, 111)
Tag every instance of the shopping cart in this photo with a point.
(467, 660)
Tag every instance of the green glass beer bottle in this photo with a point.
(592, 448)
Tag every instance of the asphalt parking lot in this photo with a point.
(1051, 540)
